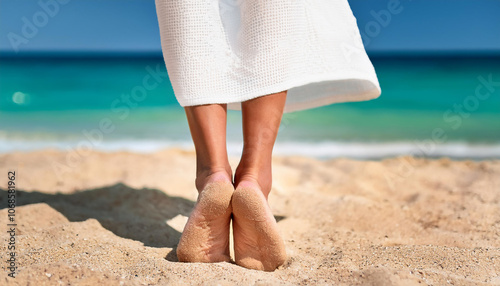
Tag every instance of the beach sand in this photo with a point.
(115, 219)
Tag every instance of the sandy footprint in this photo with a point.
(206, 235)
(257, 242)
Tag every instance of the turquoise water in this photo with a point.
(429, 107)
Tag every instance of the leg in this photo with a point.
(206, 235)
(207, 124)
(257, 242)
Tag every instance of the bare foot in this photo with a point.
(257, 242)
(206, 235)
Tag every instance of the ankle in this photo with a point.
(206, 176)
(254, 178)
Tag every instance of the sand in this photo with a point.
(116, 218)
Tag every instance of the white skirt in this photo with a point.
(229, 51)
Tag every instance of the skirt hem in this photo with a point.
(310, 98)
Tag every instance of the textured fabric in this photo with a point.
(229, 51)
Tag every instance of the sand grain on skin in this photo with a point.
(257, 241)
(206, 235)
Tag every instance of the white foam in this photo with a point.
(322, 150)
(390, 149)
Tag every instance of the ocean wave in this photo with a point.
(321, 150)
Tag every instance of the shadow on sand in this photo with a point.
(137, 214)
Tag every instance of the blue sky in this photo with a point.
(131, 26)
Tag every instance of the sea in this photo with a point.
(430, 106)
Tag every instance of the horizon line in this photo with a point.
(159, 54)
